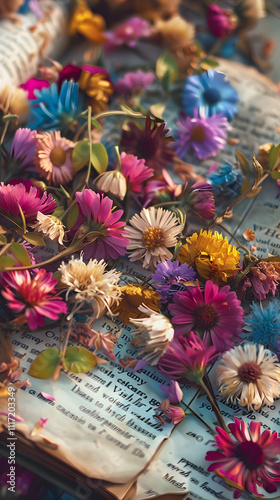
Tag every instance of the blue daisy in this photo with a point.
(53, 110)
(227, 180)
(264, 325)
(211, 93)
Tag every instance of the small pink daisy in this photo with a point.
(216, 314)
(135, 172)
(134, 82)
(128, 33)
(97, 212)
(32, 297)
(53, 158)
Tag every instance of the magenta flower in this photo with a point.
(152, 143)
(200, 199)
(29, 200)
(98, 214)
(246, 459)
(34, 84)
(160, 190)
(220, 21)
(32, 296)
(134, 82)
(73, 72)
(215, 314)
(135, 172)
(205, 136)
(173, 392)
(173, 413)
(23, 147)
(262, 279)
(186, 358)
(128, 33)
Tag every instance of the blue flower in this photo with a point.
(264, 325)
(211, 94)
(170, 278)
(54, 110)
(227, 180)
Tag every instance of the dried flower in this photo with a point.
(221, 22)
(132, 297)
(134, 82)
(113, 182)
(85, 335)
(53, 158)
(212, 255)
(135, 171)
(14, 101)
(88, 24)
(127, 33)
(23, 147)
(249, 375)
(262, 279)
(176, 32)
(264, 324)
(151, 234)
(50, 226)
(173, 391)
(152, 336)
(32, 297)
(246, 459)
(215, 314)
(174, 413)
(91, 284)
(248, 234)
(170, 277)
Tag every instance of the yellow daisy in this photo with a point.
(132, 297)
(215, 259)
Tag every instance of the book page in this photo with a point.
(24, 44)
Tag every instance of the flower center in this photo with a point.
(146, 148)
(249, 372)
(198, 133)
(211, 96)
(58, 156)
(251, 454)
(205, 318)
(153, 237)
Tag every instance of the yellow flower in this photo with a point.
(132, 297)
(88, 24)
(212, 255)
(98, 89)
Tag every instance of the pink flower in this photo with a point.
(85, 335)
(34, 84)
(54, 158)
(173, 391)
(247, 459)
(28, 199)
(199, 197)
(135, 172)
(127, 33)
(73, 72)
(23, 147)
(174, 413)
(220, 21)
(32, 296)
(186, 358)
(216, 314)
(262, 279)
(98, 214)
(134, 82)
(160, 190)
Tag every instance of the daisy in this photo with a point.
(90, 284)
(132, 297)
(153, 232)
(246, 459)
(212, 255)
(97, 212)
(152, 336)
(152, 143)
(264, 324)
(50, 226)
(215, 314)
(32, 296)
(250, 375)
(205, 136)
(53, 158)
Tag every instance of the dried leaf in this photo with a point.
(258, 169)
(248, 234)
(243, 162)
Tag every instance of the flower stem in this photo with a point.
(199, 418)
(214, 405)
(236, 239)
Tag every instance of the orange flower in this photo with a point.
(132, 297)
(88, 24)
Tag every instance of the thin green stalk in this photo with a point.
(214, 405)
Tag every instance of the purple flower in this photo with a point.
(134, 82)
(205, 136)
(128, 33)
(199, 197)
(170, 277)
(23, 147)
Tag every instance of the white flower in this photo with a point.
(249, 374)
(91, 283)
(153, 232)
(113, 182)
(153, 335)
(51, 226)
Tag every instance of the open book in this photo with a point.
(101, 431)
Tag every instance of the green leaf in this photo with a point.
(79, 359)
(59, 211)
(35, 239)
(210, 62)
(7, 261)
(96, 124)
(275, 174)
(72, 216)
(244, 164)
(45, 363)
(166, 64)
(65, 192)
(8, 118)
(80, 155)
(273, 156)
(166, 81)
(21, 254)
(99, 157)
